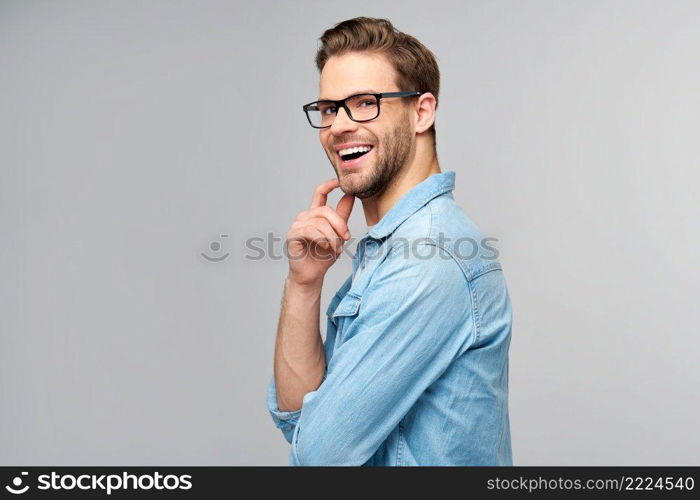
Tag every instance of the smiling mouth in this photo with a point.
(354, 156)
(349, 159)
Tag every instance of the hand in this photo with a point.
(316, 237)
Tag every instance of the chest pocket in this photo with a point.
(348, 307)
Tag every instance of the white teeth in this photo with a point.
(357, 149)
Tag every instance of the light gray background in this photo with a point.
(134, 134)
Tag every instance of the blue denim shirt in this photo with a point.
(416, 347)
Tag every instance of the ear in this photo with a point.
(425, 111)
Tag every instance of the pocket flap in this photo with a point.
(348, 306)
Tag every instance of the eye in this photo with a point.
(326, 108)
(367, 102)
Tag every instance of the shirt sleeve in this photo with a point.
(286, 421)
(415, 317)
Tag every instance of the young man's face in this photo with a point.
(391, 134)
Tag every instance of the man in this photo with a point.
(414, 367)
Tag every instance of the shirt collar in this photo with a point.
(415, 198)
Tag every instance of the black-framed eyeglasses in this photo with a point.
(359, 107)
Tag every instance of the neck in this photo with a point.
(423, 164)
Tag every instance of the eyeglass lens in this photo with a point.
(362, 107)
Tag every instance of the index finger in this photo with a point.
(321, 192)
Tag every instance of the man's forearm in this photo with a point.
(300, 362)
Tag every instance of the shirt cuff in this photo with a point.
(286, 421)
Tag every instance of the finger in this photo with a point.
(321, 192)
(322, 241)
(311, 236)
(339, 224)
(319, 236)
(344, 208)
(329, 234)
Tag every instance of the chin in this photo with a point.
(350, 183)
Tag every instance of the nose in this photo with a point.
(342, 123)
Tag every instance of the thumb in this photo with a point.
(345, 205)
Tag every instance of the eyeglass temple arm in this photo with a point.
(401, 94)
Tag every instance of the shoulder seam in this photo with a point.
(475, 309)
(430, 219)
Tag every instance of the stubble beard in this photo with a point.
(391, 158)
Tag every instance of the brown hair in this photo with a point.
(415, 65)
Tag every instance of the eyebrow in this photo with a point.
(361, 91)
